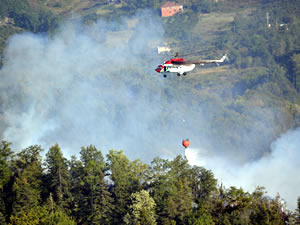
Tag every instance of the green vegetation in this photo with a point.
(34, 19)
(62, 191)
(263, 72)
(18, 16)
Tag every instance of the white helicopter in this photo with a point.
(181, 66)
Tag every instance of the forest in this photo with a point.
(115, 190)
(261, 38)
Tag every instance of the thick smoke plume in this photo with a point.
(84, 85)
(278, 172)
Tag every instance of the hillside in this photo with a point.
(262, 71)
(81, 73)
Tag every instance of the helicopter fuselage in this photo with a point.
(174, 66)
(182, 66)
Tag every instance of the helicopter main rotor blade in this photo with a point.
(192, 53)
(191, 62)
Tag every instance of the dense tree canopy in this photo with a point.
(164, 192)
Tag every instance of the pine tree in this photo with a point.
(180, 202)
(31, 216)
(5, 174)
(267, 211)
(170, 187)
(27, 184)
(295, 60)
(142, 209)
(5, 160)
(202, 217)
(94, 201)
(76, 172)
(54, 214)
(297, 213)
(159, 186)
(203, 184)
(127, 178)
(48, 214)
(58, 176)
(180, 197)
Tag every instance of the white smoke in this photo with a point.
(85, 85)
(278, 172)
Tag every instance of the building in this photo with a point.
(170, 9)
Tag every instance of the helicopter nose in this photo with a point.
(158, 69)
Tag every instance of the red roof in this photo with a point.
(169, 4)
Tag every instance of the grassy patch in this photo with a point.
(67, 7)
(209, 24)
(118, 37)
(103, 11)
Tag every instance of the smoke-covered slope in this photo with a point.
(81, 87)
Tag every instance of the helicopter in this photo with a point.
(181, 66)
